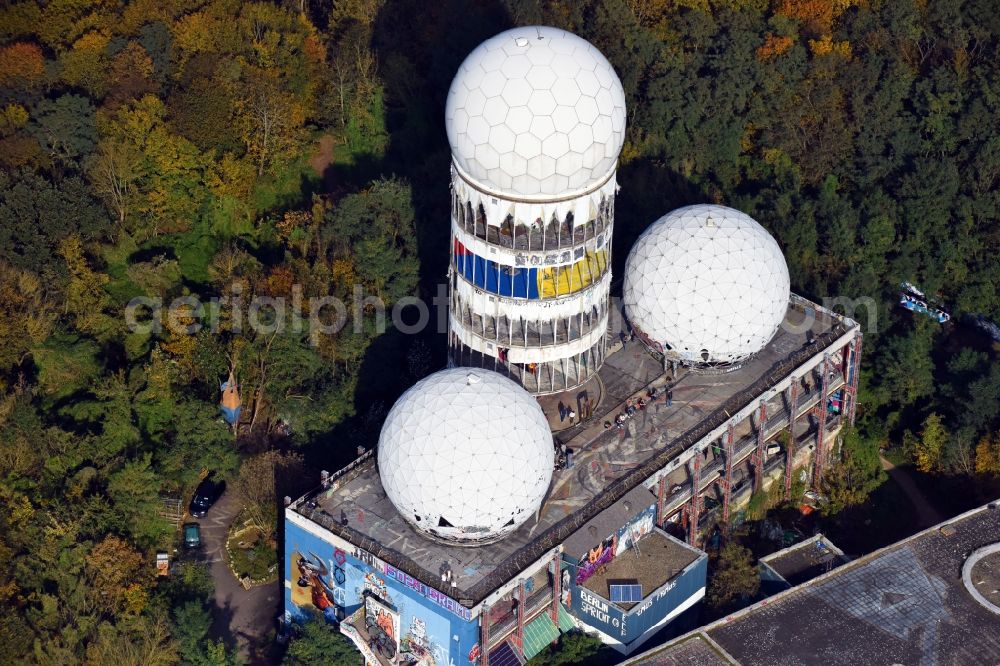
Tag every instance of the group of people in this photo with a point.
(564, 457)
(567, 411)
(633, 405)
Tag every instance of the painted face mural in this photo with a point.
(314, 586)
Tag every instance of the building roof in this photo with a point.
(690, 650)
(903, 604)
(657, 560)
(608, 464)
(608, 521)
(805, 560)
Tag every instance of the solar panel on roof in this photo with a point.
(626, 594)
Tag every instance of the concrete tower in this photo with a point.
(536, 120)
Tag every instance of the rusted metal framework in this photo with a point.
(820, 410)
(759, 454)
(851, 388)
(556, 583)
(793, 403)
(694, 506)
(727, 484)
(484, 631)
(661, 500)
(521, 610)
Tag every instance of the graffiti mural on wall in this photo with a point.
(382, 626)
(639, 526)
(595, 558)
(418, 626)
(565, 591)
(530, 282)
(314, 586)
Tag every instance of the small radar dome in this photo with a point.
(536, 113)
(466, 456)
(706, 284)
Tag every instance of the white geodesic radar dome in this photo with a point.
(536, 112)
(466, 455)
(707, 283)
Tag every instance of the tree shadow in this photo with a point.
(419, 47)
(649, 190)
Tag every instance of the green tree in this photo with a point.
(375, 228)
(36, 215)
(905, 369)
(66, 363)
(65, 127)
(135, 492)
(169, 177)
(574, 648)
(852, 479)
(735, 577)
(192, 622)
(932, 442)
(319, 644)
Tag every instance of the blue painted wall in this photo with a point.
(626, 627)
(434, 629)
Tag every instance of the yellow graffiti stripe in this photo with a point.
(571, 279)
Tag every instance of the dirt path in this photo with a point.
(241, 616)
(927, 514)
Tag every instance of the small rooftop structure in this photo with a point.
(650, 563)
(805, 560)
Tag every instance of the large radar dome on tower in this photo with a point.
(466, 456)
(706, 284)
(535, 113)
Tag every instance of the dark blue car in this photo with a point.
(205, 495)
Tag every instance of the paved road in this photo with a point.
(241, 616)
(927, 514)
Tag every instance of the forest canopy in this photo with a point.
(200, 148)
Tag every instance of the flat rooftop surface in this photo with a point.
(656, 560)
(804, 561)
(694, 650)
(986, 578)
(904, 604)
(601, 457)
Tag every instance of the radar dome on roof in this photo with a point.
(466, 455)
(706, 283)
(536, 112)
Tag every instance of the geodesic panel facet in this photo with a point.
(557, 96)
(707, 283)
(466, 455)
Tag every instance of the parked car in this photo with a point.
(192, 536)
(206, 494)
